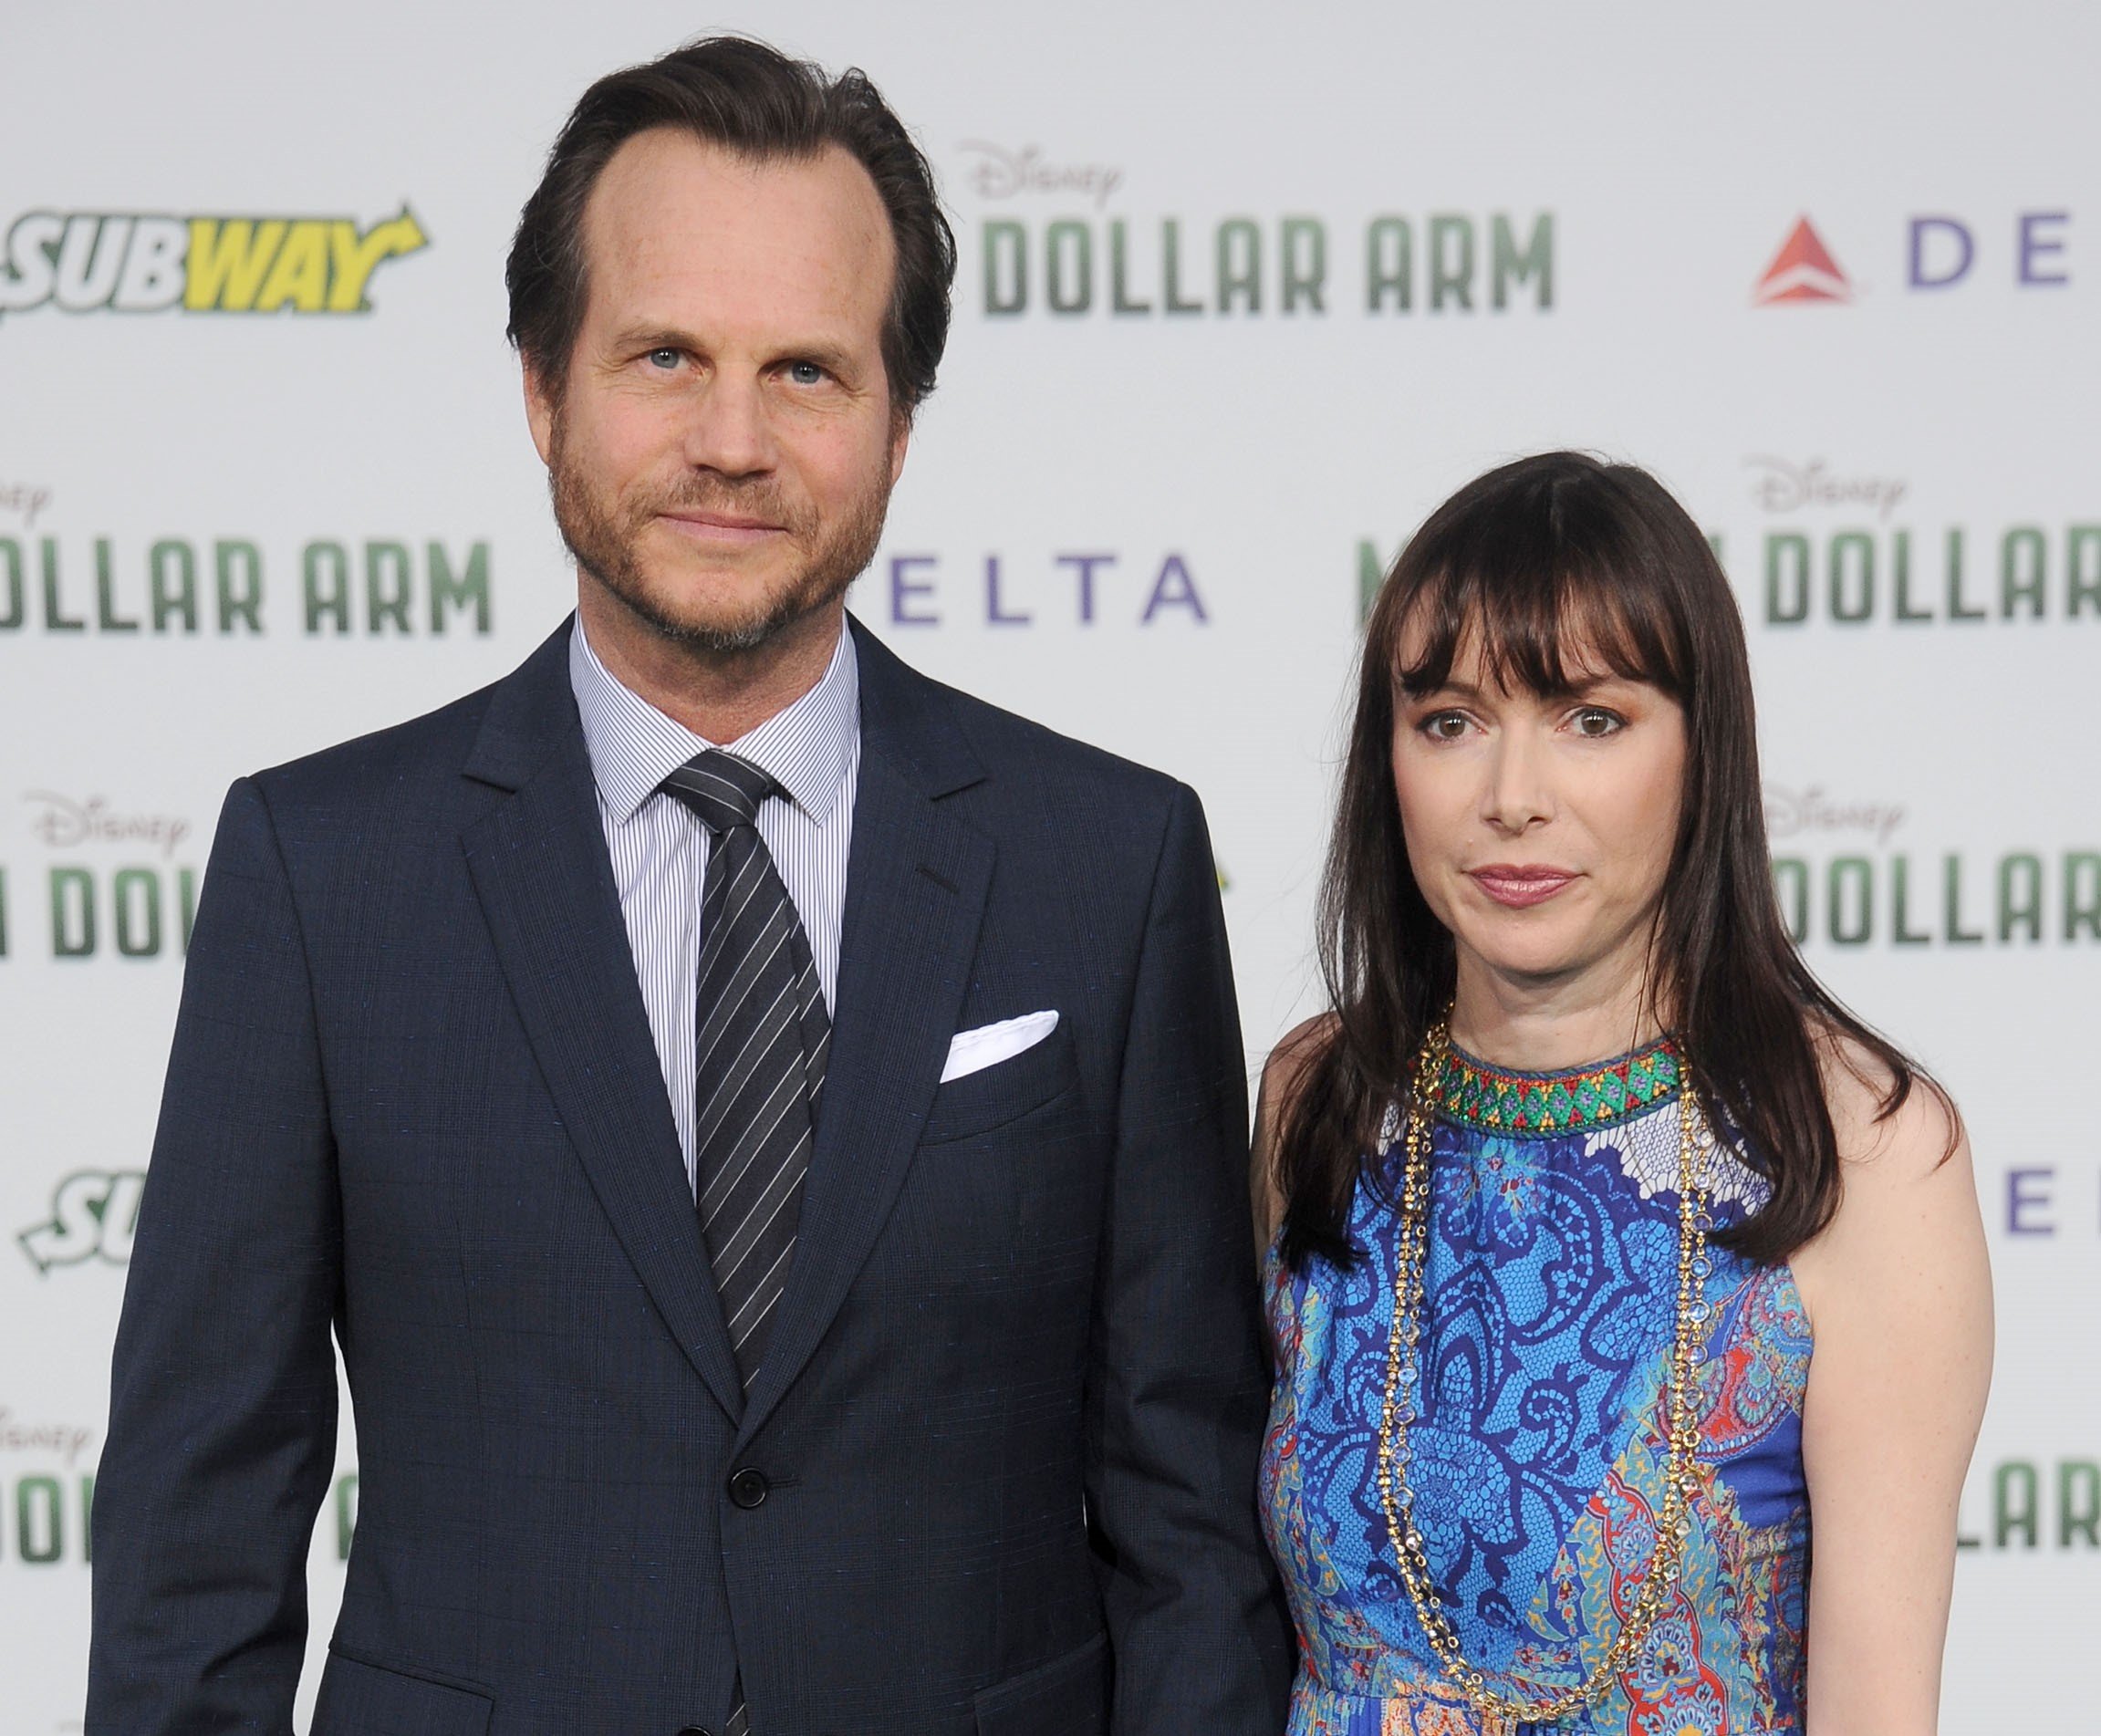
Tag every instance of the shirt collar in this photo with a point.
(807, 748)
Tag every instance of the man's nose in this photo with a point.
(731, 429)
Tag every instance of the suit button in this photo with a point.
(694, 1730)
(748, 1487)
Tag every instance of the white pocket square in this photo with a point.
(973, 1051)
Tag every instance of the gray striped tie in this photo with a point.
(762, 1037)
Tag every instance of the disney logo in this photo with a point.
(67, 1438)
(29, 499)
(1001, 174)
(65, 824)
(1783, 487)
(1791, 812)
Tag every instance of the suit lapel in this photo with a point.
(540, 869)
(916, 878)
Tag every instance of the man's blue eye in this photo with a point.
(665, 357)
(804, 373)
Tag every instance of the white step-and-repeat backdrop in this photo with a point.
(1242, 295)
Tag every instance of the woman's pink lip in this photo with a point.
(1520, 887)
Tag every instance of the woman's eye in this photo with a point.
(1444, 726)
(1594, 721)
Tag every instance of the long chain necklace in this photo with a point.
(1403, 1387)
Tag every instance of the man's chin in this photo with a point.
(712, 623)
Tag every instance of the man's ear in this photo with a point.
(901, 437)
(539, 414)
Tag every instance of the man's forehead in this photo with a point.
(669, 199)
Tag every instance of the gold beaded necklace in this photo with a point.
(1403, 1386)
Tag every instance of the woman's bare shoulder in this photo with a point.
(1883, 1137)
(1295, 1050)
(1281, 1075)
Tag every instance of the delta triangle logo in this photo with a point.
(1803, 270)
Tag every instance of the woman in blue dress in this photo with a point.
(1629, 1296)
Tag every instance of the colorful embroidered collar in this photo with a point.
(1479, 1095)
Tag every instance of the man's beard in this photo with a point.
(605, 540)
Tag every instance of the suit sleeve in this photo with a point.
(222, 1403)
(1179, 1383)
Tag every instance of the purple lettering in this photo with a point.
(2035, 246)
(904, 589)
(1084, 564)
(1966, 251)
(2023, 1202)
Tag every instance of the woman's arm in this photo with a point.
(1899, 1292)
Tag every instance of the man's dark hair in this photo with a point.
(753, 100)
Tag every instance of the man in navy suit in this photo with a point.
(766, 1130)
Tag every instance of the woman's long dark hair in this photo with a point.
(1543, 560)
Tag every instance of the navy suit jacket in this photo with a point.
(997, 1471)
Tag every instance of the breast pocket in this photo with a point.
(1006, 1091)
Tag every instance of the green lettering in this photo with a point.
(1900, 561)
(106, 616)
(1951, 887)
(1510, 265)
(1119, 271)
(1787, 579)
(1851, 877)
(39, 1519)
(56, 619)
(72, 913)
(1239, 265)
(2081, 894)
(1450, 268)
(456, 592)
(2013, 1503)
(1305, 249)
(1006, 243)
(1171, 299)
(1791, 888)
(239, 568)
(2021, 562)
(1901, 930)
(385, 600)
(1857, 603)
(16, 611)
(172, 583)
(2081, 568)
(1958, 610)
(1068, 267)
(324, 577)
(1370, 576)
(135, 893)
(2020, 895)
(1389, 264)
(2078, 1502)
(345, 1512)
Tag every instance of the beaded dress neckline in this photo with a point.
(1473, 1092)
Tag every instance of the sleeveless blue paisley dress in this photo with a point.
(1549, 1304)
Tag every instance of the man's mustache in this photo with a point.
(703, 494)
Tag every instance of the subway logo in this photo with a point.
(133, 263)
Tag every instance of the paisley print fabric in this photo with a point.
(1549, 1296)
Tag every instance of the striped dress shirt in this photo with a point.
(660, 849)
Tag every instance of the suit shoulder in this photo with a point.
(1009, 741)
(381, 764)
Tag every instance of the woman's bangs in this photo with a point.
(1546, 631)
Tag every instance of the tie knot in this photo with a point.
(721, 788)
